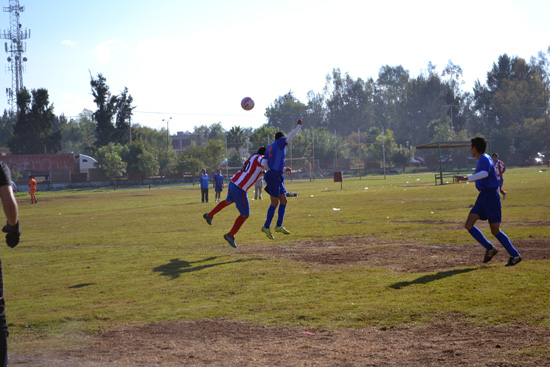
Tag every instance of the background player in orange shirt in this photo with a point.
(32, 189)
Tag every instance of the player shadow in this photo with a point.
(432, 277)
(81, 285)
(177, 267)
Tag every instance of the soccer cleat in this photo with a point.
(207, 218)
(230, 240)
(489, 255)
(282, 230)
(514, 260)
(267, 232)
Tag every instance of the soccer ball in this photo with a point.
(247, 103)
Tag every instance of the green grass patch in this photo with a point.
(89, 260)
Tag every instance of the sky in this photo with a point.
(191, 62)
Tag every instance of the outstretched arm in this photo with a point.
(294, 132)
(474, 177)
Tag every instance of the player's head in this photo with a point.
(219, 171)
(495, 157)
(279, 135)
(479, 144)
(261, 151)
(203, 171)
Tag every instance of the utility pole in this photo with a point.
(167, 132)
(15, 48)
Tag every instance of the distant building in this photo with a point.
(182, 140)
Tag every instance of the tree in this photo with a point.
(384, 146)
(284, 112)
(349, 103)
(7, 121)
(124, 111)
(106, 109)
(78, 135)
(168, 160)
(109, 157)
(148, 163)
(262, 137)
(33, 133)
(236, 138)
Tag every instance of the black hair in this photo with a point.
(480, 144)
(495, 155)
(261, 151)
(280, 134)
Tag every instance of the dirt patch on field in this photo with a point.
(400, 257)
(225, 343)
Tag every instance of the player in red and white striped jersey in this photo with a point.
(237, 192)
(500, 168)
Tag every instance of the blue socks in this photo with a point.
(281, 217)
(479, 237)
(270, 214)
(505, 242)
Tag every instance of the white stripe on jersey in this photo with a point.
(250, 172)
(499, 168)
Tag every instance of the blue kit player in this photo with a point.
(487, 206)
(274, 180)
(218, 185)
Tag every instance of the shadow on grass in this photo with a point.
(81, 285)
(176, 267)
(430, 278)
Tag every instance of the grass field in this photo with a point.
(92, 260)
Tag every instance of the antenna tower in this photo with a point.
(15, 47)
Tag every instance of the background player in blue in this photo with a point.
(487, 206)
(204, 179)
(218, 185)
(274, 179)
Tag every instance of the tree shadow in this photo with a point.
(432, 277)
(176, 267)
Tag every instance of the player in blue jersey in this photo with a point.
(218, 185)
(204, 180)
(274, 180)
(487, 206)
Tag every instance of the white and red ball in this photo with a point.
(247, 103)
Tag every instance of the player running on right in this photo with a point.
(500, 168)
(237, 193)
(487, 206)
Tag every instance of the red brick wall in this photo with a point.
(39, 163)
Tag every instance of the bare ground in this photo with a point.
(449, 342)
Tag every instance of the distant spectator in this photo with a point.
(258, 187)
(205, 182)
(218, 185)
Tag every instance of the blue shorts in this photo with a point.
(275, 184)
(218, 189)
(239, 197)
(488, 206)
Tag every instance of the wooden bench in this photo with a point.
(443, 175)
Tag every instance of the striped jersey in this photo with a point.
(250, 172)
(499, 168)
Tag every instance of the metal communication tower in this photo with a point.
(15, 48)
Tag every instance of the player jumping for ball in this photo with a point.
(237, 193)
(487, 206)
(274, 179)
